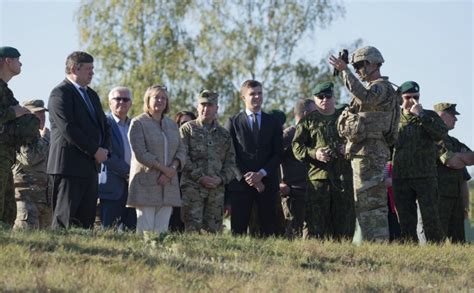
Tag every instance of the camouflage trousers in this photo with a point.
(294, 206)
(7, 195)
(370, 196)
(33, 215)
(451, 217)
(202, 208)
(329, 209)
(425, 190)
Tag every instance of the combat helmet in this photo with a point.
(369, 53)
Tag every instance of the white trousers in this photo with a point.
(153, 219)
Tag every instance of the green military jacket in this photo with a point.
(317, 131)
(449, 180)
(29, 171)
(415, 152)
(210, 152)
(7, 114)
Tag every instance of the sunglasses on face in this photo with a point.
(414, 97)
(122, 99)
(322, 97)
(182, 122)
(359, 65)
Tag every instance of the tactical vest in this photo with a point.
(356, 126)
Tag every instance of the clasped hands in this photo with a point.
(167, 173)
(210, 182)
(254, 179)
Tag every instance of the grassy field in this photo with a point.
(81, 260)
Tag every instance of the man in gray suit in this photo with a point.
(113, 180)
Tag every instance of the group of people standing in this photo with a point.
(147, 172)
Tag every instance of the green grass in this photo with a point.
(81, 260)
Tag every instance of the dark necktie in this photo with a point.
(92, 112)
(255, 127)
(88, 103)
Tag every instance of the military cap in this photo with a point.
(409, 87)
(447, 107)
(9, 52)
(35, 105)
(207, 96)
(323, 88)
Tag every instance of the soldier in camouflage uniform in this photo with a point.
(414, 166)
(294, 175)
(330, 198)
(30, 178)
(368, 125)
(210, 163)
(10, 66)
(452, 206)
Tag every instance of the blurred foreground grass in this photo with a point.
(82, 260)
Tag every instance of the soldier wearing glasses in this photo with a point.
(369, 126)
(330, 200)
(415, 166)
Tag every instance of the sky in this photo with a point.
(430, 42)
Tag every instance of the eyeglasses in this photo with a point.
(121, 99)
(322, 97)
(408, 97)
(183, 122)
(359, 65)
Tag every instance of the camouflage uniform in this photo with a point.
(330, 197)
(7, 156)
(30, 179)
(414, 173)
(369, 156)
(450, 202)
(211, 153)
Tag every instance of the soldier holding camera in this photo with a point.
(369, 126)
(330, 200)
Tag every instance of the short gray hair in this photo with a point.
(120, 88)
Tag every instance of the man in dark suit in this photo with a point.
(80, 141)
(113, 179)
(257, 138)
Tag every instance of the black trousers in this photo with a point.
(242, 202)
(74, 201)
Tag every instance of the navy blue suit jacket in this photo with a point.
(252, 156)
(117, 169)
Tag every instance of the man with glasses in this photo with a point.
(369, 126)
(330, 198)
(414, 166)
(113, 183)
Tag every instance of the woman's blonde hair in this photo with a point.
(151, 91)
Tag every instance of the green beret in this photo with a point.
(9, 52)
(447, 107)
(207, 96)
(35, 105)
(323, 88)
(409, 87)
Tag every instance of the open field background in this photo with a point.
(81, 260)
